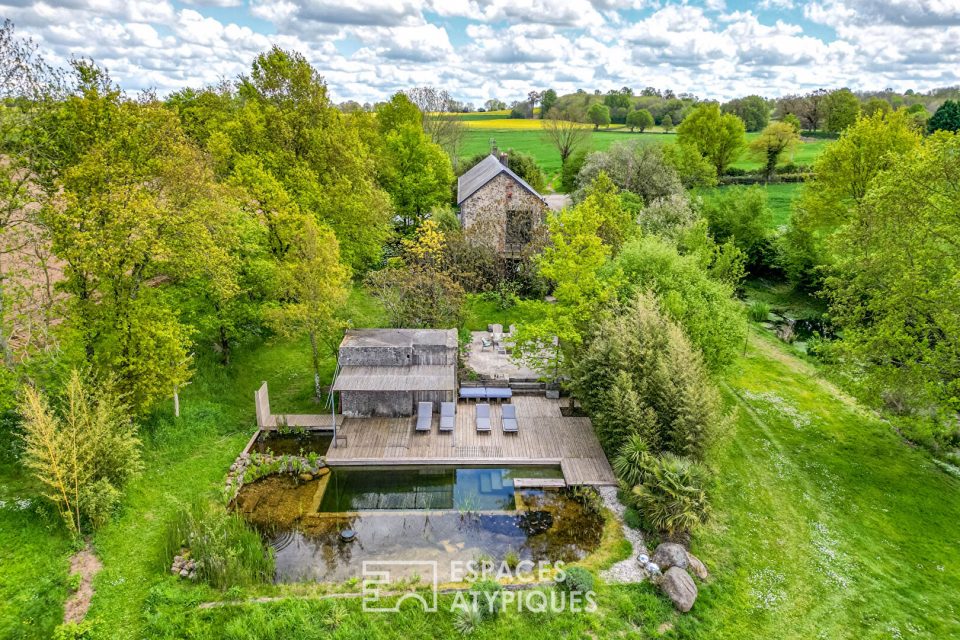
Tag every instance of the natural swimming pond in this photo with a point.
(437, 514)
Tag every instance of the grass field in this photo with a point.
(780, 199)
(825, 524)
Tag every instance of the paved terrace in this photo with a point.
(545, 437)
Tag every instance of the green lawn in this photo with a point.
(477, 140)
(825, 525)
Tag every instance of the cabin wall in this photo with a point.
(487, 209)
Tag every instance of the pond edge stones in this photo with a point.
(675, 561)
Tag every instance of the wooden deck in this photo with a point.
(545, 438)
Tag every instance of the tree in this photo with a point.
(946, 117)
(639, 119)
(413, 170)
(693, 169)
(547, 99)
(313, 283)
(495, 105)
(719, 137)
(703, 307)
(753, 110)
(667, 123)
(842, 109)
(83, 452)
(440, 125)
(633, 166)
(522, 164)
(793, 121)
(843, 173)
(418, 297)
(876, 105)
(599, 114)
(564, 133)
(892, 287)
(776, 138)
(741, 215)
(640, 375)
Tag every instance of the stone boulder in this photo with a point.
(697, 567)
(670, 554)
(680, 588)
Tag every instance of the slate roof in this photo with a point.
(399, 338)
(482, 173)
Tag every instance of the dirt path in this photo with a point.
(85, 564)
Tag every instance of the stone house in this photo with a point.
(499, 205)
(386, 372)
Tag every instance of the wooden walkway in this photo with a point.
(545, 438)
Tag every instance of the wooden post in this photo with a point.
(176, 401)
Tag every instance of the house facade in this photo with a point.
(386, 372)
(499, 205)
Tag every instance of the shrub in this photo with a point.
(83, 451)
(633, 461)
(487, 596)
(759, 311)
(227, 551)
(468, 620)
(74, 631)
(640, 375)
(631, 518)
(576, 580)
(673, 496)
(511, 558)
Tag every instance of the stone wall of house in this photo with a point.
(487, 208)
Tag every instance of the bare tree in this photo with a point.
(443, 127)
(564, 133)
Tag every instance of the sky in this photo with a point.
(481, 49)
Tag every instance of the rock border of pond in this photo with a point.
(676, 564)
(303, 468)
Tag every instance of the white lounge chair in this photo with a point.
(448, 415)
(510, 418)
(483, 417)
(424, 416)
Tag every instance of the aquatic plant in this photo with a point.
(576, 580)
(511, 558)
(227, 551)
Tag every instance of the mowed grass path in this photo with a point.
(826, 524)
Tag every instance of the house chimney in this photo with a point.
(504, 159)
(493, 148)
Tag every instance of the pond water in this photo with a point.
(293, 443)
(423, 515)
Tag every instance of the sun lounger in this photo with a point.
(424, 416)
(473, 393)
(510, 418)
(448, 415)
(499, 393)
(483, 417)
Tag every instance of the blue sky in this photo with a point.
(480, 49)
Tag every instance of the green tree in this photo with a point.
(946, 117)
(313, 285)
(719, 137)
(843, 173)
(639, 119)
(772, 142)
(793, 121)
(842, 109)
(633, 166)
(547, 99)
(876, 105)
(599, 115)
(566, 134)
(666, 123)
(753, 110)
(640, 375)
(893, 284)
(413, 170)
(83, 451)
(740, 215)
(703, 307)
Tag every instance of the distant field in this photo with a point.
(526, 135)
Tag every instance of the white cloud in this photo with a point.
(367, 49)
